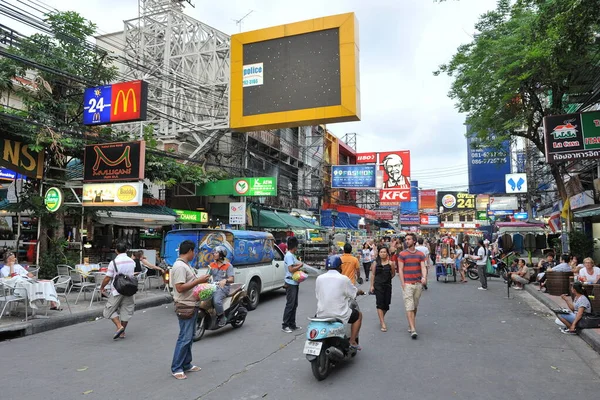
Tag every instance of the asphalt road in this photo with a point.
(472, 345)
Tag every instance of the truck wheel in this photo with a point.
(253, 294)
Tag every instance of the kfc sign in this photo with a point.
(396, 169)
(394, 195)
(366, 158)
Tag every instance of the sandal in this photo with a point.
(193, 368)
(119, 333)
(356, 347)
(383, 329)
(179, 376)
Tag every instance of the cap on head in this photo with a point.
(334, 262)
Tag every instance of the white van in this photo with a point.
(257, 261)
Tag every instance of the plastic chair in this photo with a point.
(98, 278)
(7, 296)
(63, 269)
(63, 282)
(33, 270)
(79, 282)
(142, 278)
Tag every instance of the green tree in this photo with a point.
(529, 59)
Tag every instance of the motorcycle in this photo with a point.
(328, 343)
(235, 311)
(501, 270)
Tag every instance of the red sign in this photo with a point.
(128, 102)
(428, 200)
(384, 214)
(396, 169)
(366, 158)
(154, 202)
(424, 219)
(394, 196)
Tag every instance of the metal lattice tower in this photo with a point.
(186, 64)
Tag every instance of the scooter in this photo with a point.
(501, 270)
(235, 310)
(328, 343)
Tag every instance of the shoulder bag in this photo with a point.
(124, 284)
(184, 311)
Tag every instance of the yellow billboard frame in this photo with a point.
(348, 110)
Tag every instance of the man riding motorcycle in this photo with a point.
(334, 293)
(223, 275)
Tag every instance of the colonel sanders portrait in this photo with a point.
(393, 166)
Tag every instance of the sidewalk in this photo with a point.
(15, 326)
(590, 336)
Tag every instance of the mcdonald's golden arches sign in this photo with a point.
(122, 161)
(120, 102)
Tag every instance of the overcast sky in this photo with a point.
(404, 107)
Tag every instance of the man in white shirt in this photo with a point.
(423, 249)
(334, 292)
(119, 308)
(481, 261)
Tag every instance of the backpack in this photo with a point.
(124, 284)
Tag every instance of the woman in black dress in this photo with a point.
(383, 271)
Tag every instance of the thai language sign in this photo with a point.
(572, 136)
(353, 176)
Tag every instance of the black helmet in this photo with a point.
(222, 252)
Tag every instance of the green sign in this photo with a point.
(53, 199)
(482, 216)
(255, 186)
(194, 217)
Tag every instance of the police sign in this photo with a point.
(120, 102)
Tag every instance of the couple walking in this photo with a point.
(412, 273)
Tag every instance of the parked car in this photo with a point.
(257, 261)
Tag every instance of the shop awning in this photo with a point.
(145, 216)
(591, 210)
(269, 220)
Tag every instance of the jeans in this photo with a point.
(482, 276)
(182, 357)
(218, 297)
(291, 304)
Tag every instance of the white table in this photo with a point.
(36, 291)
(85, 269)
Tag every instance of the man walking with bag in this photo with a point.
(184, 280)
(120, 306)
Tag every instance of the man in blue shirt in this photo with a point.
(291, 265)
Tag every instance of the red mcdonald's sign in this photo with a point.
(128, 102)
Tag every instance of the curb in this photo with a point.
(588, 335)
(21, 329)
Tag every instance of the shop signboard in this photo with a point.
(521, 215)
(410, 220)
(112, 194)
(120, 102)
(487, 166)
(429, 219)
(572, 137)
(460, 225)
(193, 217)
(481, 216)
(53, 199)
(7, 174)
(455, 201)
(386, 215)
(264, 186)
(237, 213)
(516, 183)
(412, 206)
(503, 203)
(428, 200)
(582, 199)
(366, 158)
(18, 157)
(482, 202)
(114, 161)
(353, 176)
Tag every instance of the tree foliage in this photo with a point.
(529, 59)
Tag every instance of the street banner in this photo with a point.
(366, 158)
(428, 200)
(572, 136)
(266, 186)
(487, 167)
(455, 201)
(113, 194)
(409, 220)
(429, 219)
(482, 202)
(123, 161)
(386, 215)
(237, 213)
(499, 203)
(19, 158)
(120, 102)
(353, 176)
